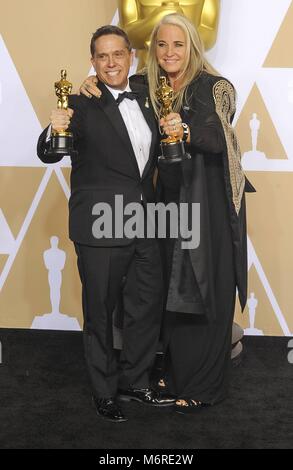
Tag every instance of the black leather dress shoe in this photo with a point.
(148, 396)
(107, 408)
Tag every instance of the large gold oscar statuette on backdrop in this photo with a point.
(61, 142)
(173, 149)
(139, 17)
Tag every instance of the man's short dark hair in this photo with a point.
(105, 31)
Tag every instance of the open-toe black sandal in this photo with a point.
(188, 406)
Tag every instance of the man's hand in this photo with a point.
(60, 119)
(89, 87)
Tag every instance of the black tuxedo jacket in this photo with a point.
(106, 165)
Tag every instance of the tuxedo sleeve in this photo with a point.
(76, 127)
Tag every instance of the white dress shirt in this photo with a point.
(138, 130)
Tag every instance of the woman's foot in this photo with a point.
(162, 383)
(162, 388)
(187, 406)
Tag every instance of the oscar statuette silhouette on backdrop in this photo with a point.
(54, 260)
(252, 304)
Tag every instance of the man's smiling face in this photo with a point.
(112, 60)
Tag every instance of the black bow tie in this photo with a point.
(131, 95)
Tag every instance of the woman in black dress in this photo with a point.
(200, 283)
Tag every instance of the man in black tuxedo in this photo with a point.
(116, 139)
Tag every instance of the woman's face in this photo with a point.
(171, 49)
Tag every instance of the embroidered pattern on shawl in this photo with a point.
(224, 97)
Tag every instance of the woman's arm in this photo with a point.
(208, 136)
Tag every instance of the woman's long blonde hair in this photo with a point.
(194, 64)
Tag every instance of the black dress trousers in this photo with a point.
(102, 270)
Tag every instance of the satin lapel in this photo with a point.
(108, 104)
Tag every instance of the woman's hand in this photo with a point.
(172, 125)
(89, 87)
(60, 119)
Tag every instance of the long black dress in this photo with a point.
(201, 284)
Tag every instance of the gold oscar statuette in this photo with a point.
(139, 17)
(62, 142)
(173, 148)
